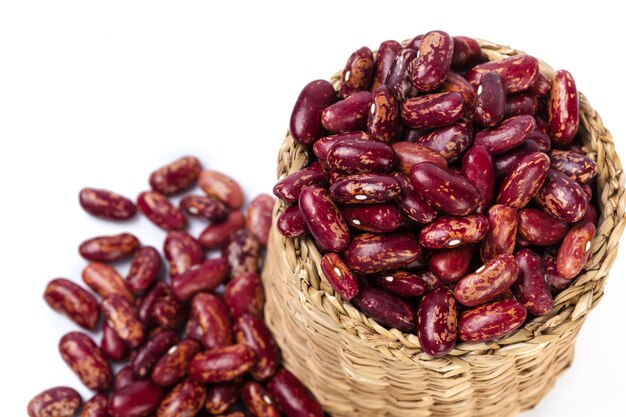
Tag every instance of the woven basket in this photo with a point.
(356, 367)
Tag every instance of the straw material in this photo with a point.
(356, 367)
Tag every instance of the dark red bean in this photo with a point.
(109, 248)
(502, 235)
(477, 167)
(385, 55)
(399, 76)
(561, 197)
(144, 269)
(358, 156)
(432, 110)
(111, 345)
(73, 301)
(292, 397)
(507, 135)
(531, 288)
(357, 74)
(221, 187)
(348, 114)
(402, 283)
(524, 181)
(182, 252)
(216, 235)
(176, 176)
(450, 265)
(491, 100)
(172, 367)
(137, 400)
(411, 203)
(168, 312)
(259, 217)
(222, 364)
(105, 280)
(106, 204)
(433, 61)
(55, 402)
(152, 351)
(160, 211)
(251, 330)
(410, 154)
(563, 108)
(244, 295)
(450, 231)
(123, 318)
(575, 250)
(449, 141)
(96, 406)
(322, 146)
(488, 282)
(220, 397)
(437, 321)
(291, 223)
(376, 218)
(243, 252)
(339, 276)
(208, 208)
(578, 167)
(289, 187)
(467, 52)
(204, 277)
(258, 401)
(184, 400)
(370, 253)
(556, 283)
(539, 228)
(382, 122)
(523, 103)
(387, 309)
(85, 358)
(332, 233)
(213, 319)
(491, 321)
(124, 377)
(518, 72)
(305, 124)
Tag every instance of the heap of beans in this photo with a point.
(192, 346)
(430, 163)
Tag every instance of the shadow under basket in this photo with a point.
(356, 367)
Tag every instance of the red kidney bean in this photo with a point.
(215, 235)
(106, 204)
(96, 406)
(339, 276)
(562, 197)
(123, 318)
(213, 319)
(432, 110)
(410, 154)
(292, 397)
(382, 121)
(108, 248)
(258, 401)
(488, 282)
(385, 55)
(208, 208)
(222, 364)
(411, 203)
(507, 135)
(370, 253)
(524, 180)
(244, 295)
(205, 277)
(436, 322)
(182, 252)
(580, 168)
(433, 61)
(357, 74)
(168, 312)
(456, 83)
(172, 367)
(124, 377)
(449, 141)
(348, 114)
(357, 156)
(504, 163)
(105, 280)
(477, 167)
(556, 283)
(144, 268)
(447, 191)
(531, 288)
(251, 330)
(491, 100)
(137, 400)
(502, 235)
(73, 301)
(322, 146)
(331, 234)
(288, 188)
(399, 76)
(450, 265)
(176, 176)
(184, 400)
(55, 402)
(563, 108)
(575, 250)
(377, 218)
(449, 231)
(111, 345)
(85, 358)
(259, 217)
(540, 228)
(518, 72)
(387, 309)
(243, 252)
(160, 211)
(305, 125)
(491, 321)
(152, 351)
(467, 52)
(290, 223)
(402, 283)
(522, 103)
(221, 187)
(220, 397)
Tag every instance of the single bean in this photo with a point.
(561, 197)
(467, 52)
(411, 203)
(450, 265)
(339, 276)
(322, 146)
(402, 283)
(540, 228)
(382, 121)
(357, 74)
(106, 204)
(243, 252)
(385, 55)
(259, 217)
(204, 277)
(433, 61)
(221, 187)
(507, 135)
(332, 233)
(563, 108)
(222, 364)
(137, 400)
(184, 400)
(216, 235)
(477, 167)
(292, 397)
(437, 321)
(504, 163)
(491, 100)
(531, 288)
(105, 280)
(387, 309)
(358, 156)
(542, 86)
(575, 250)
(213, 319)
(524, 180)
(208, 208)
(491, 321)
(124, 319)
(85, 358)
(109, 248)
(55, 402)
(370, 253)
(182, 252)
(449, 141)
(160, 211)
(432, 110)
(244, 295)
(258, 401)
(399, 75)
(518, 72)
(111, 345)
(172, 367)
(348, 114)
(456, 83)
(176, 176)
(580, 168)
(251, 330)
(305, 124)
(288, 188)
(502, 235)
(488, 282)
(290, 223)
(77, 304)
(522, 103)
(144, 269)
(376, 218)
(450, 231)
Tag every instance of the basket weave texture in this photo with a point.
(356, 367)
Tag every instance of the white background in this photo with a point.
(100, 93)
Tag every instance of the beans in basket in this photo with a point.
(187, 324)
(448, 194)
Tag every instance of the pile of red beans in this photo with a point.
(195, 344)
(450, 196)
